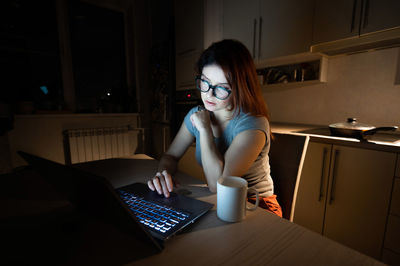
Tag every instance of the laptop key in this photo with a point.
(157, 217)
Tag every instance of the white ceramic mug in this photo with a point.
(231, 198)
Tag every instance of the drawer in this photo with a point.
(392, 237)
(395, 204)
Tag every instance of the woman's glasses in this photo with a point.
(219, 91)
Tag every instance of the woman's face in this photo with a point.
(214, 75)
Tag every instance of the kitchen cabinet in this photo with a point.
(344, 194)
(286, 27)
(185, 71)
(340, 19)
(189, 24)
(269, 28)
(380, 15)
(391, 250)
(240, 22)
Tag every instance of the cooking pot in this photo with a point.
(353, 129)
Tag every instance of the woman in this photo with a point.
(231, 131)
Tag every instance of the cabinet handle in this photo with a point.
(353, 16)
(366, 14)
(259, 39)
(254, 38)
(335, 160)
(321, 184)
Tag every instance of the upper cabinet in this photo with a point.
(240, 22)
(188, 26)
(189, 33)
(380, 15)
(336, 19)
(285, 27)
(269, 28)
(340, 19)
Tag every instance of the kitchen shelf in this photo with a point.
(294, 84)
(297, 73)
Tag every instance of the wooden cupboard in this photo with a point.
(340, 19)
(189, 34)
(188, 26)
(285, 27)
(240, 22)
(391, 250)
(344, 194)
(380, 15)
(269, 28)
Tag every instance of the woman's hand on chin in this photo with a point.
(201, 120)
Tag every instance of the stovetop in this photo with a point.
(393, 138)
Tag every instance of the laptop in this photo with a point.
(126, 208)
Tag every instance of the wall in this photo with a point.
(359, 85)
(42, 134)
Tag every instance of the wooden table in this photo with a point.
(261, 239)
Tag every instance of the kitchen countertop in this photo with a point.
(379, 141)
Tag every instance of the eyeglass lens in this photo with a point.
(218, 91)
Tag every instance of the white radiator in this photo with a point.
(90, 144)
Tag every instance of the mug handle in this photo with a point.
(257, 200)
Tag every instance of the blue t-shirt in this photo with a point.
(258, 176)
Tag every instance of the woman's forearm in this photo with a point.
(169, 163)
(212, 161)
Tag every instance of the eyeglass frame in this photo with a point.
(213, 87)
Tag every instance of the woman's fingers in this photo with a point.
(150, 185)
(200, 119)
(157, 183)
(164, 187)
(168, 180)
(162, 183)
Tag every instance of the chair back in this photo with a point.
(286, 159)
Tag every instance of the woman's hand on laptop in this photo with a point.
(162, 183)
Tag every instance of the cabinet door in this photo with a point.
(285, 28)
(336, 19)
(240, 22)
(188, 26)
(186, 71)
(311, 196)
(380, 15)
(358, 197)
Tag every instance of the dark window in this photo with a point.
(98, 58)
(29, 53)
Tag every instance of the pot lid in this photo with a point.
(352, 123)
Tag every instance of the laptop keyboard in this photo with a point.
(154, 216)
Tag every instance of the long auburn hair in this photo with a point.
(238, 65)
